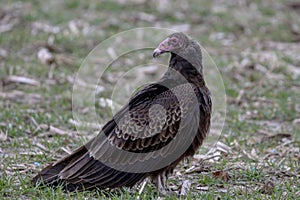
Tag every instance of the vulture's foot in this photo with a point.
(160, 185)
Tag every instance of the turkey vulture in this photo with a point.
(171, 117)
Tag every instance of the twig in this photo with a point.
(273, 135)
(142, 189)
(66, 150)
(185, 188)
(55, 130)
(143, 186)
(238, 166)
(239, 97)
(42, 147)
(51, 70)
(22, 80)
(85, 124)
(33, 121)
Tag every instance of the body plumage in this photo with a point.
(131, 129)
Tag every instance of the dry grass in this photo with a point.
(255, 45)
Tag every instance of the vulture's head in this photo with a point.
(179, 44)
(176, 42)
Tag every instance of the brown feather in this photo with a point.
(143, 130)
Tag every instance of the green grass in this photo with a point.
(271, 108)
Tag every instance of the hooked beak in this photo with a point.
(162, 48)
(157, 52)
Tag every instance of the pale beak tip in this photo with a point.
(156, 52)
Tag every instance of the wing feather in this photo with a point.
(137, 133)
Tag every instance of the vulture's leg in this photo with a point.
(160, 182)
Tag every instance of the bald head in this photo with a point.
(175, 42)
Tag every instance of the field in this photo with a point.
(255, 45)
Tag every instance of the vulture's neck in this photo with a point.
(183, 71)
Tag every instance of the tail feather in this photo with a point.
(50, 174)
(80, 171)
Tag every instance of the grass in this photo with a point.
(270, 103)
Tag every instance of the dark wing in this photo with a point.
(136, 129)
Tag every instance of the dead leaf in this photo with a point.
(45, 56)
(296, 123)
(3, 136)
(222, 175)
(63, 59)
